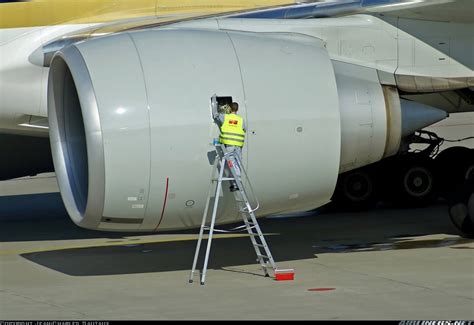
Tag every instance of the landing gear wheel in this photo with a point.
(416, 184)
(461, 209)
(356, 190)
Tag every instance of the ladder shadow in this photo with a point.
(260, 273)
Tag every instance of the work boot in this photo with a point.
(233, 187)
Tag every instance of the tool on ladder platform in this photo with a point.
(264, 256)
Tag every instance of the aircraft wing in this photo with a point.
(456, 11)
(460, 11)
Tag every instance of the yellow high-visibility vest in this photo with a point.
(232, 131)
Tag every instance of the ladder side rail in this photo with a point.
(263, 241)
(255, 243)
(248, 213)
(213, 220)
(204, 217)
(258, 230)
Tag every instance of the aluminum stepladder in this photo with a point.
(264, 255)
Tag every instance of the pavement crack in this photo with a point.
(44, 302)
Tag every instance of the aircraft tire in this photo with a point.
(416, 183)
(356, 191)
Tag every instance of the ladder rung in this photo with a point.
(264, 256)
(260, 245)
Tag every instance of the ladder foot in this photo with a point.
(202, 283)
(191, 281)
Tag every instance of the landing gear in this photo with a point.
(356, 190)
(415, 179)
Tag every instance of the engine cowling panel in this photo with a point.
(131, 124)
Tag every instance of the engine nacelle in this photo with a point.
(371, 116)
(131, 125)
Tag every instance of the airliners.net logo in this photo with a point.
(436, 322)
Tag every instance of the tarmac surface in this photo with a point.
(386, 264)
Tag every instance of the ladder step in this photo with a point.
(260, 245)
(264, 256)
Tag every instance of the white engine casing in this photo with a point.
(131, 125)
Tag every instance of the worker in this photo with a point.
(232, 127)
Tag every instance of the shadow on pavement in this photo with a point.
(289, 238)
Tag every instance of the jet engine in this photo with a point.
(131, 124)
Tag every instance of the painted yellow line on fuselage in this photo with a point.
(53, 12)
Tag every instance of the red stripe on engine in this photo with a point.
(164, 203)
